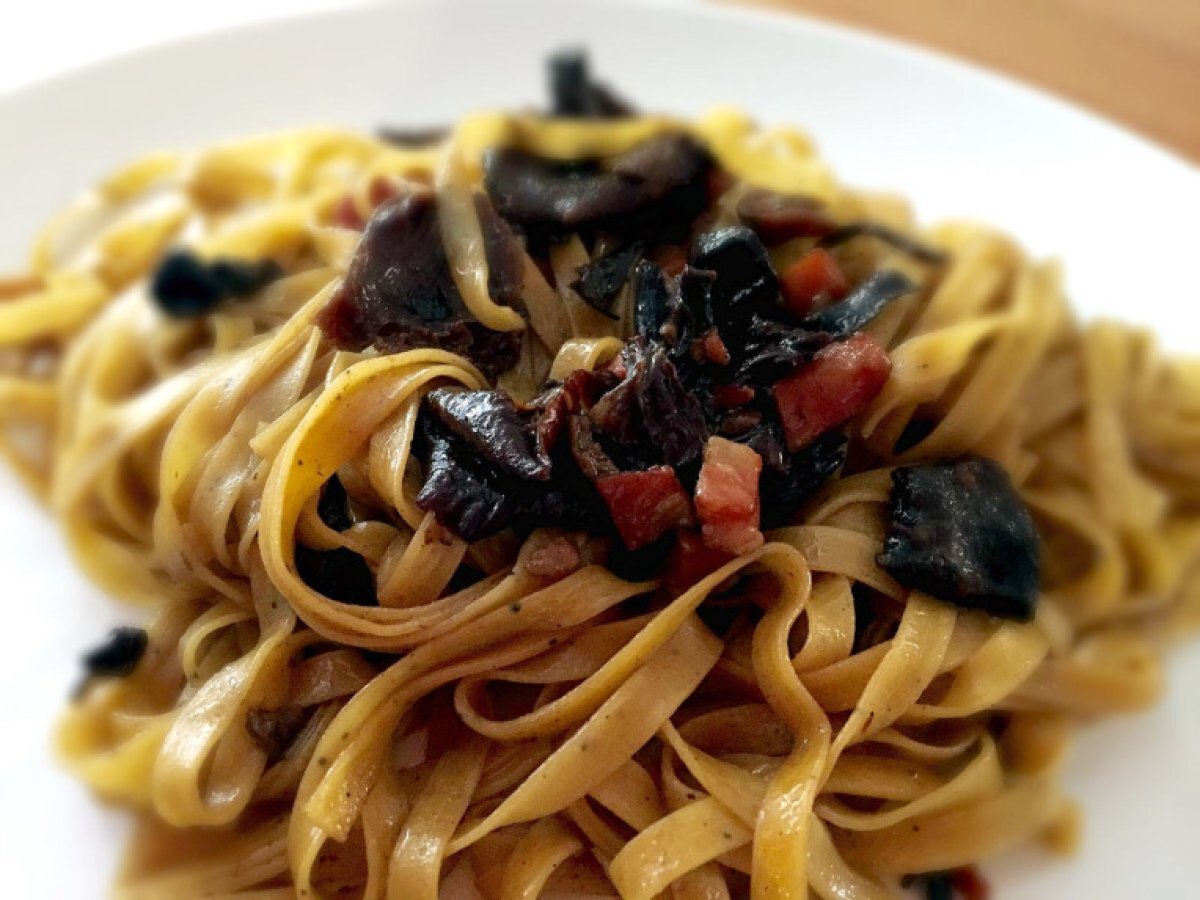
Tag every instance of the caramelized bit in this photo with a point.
(731, 396)
(551, 408)
(840, 383)
(617, 414)
(399, 295)
(960, 532)
(657, 185)
(327, 676)
(713, 349)
(645, 505)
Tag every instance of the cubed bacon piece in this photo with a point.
(645, 505)
(714, 348)
(550, 555)
(727, 496)
(731, 396)
(691, 560)
(812, 281)
(837, 385)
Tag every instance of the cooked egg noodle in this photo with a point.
(531, 736)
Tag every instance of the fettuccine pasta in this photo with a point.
(523, 714)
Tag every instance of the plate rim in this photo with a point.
(870, 41)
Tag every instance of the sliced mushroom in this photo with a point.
(399, 294)
(659, 183)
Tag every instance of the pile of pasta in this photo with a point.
(588, 736)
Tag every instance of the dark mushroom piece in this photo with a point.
(504, 253)
(651, 409)
(864, 303)
(399, 294)
(960, 532)
(573, 93)
(333, 507)
(185, 286)
(586, 451)
(650, 297)
(487, 423)
(745, 280)
(340, 574)
(671, 414)
(461, 499)
(658, 184)
(601, 280)
(772, 349)
(789, 479)
(687, 318)
(780, 217)
(117, 657)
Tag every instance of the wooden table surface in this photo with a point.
(1135, 61)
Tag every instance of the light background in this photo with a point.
(1136, 61)
(39, 38)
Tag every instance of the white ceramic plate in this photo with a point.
(1120, 213)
